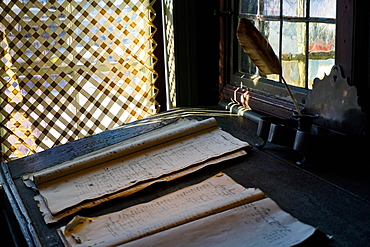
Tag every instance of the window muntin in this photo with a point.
(301, 32)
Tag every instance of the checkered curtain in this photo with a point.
(71, 68)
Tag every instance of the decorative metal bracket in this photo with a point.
(336, 103)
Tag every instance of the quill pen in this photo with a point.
(261, 53)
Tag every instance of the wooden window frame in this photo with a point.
(269, 98)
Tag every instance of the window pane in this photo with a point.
(293, 53)
(249, 7)
(321, 50)
(246, 65)
(323, 8)
(271, 31)
(296, 8)
(271, 7)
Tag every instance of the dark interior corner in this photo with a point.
(197, 52)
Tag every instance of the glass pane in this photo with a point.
(270, 7)
(293, 53)
(321, 50)
(271, 31)
(249, 6)
(318, 69)
(295, 8)
(246, 64)
(323, 8)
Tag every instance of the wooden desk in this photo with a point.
(307, 197)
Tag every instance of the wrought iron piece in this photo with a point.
(336, 103)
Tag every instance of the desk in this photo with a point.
(307, 197)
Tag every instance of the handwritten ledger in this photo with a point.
(215, 212)
(124, 168)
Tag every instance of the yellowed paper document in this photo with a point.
(260, 223)
(134, 164)
(214, 195)
(50, 218)
(167, 133)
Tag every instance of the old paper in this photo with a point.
(260, 223)
(50, 218)
(122, 173)
(214, 195)
(152, 138)
(124, 168)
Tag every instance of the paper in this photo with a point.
(260, 223)
(167, 133)
(50, 218)
(214, 195)
(131, 165)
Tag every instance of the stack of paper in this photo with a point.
(124, 168)
(215, 212)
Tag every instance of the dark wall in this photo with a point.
(361, 61)
(353, 48)
(196, 52)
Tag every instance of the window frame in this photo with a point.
(264, 95)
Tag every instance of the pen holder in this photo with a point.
(298, 133)
(305, 120)
(276, 130)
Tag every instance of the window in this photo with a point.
(303, 35)
(71, 68)
(301, 32)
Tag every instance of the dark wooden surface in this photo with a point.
(336, 211)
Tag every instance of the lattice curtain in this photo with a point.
(70, 68)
